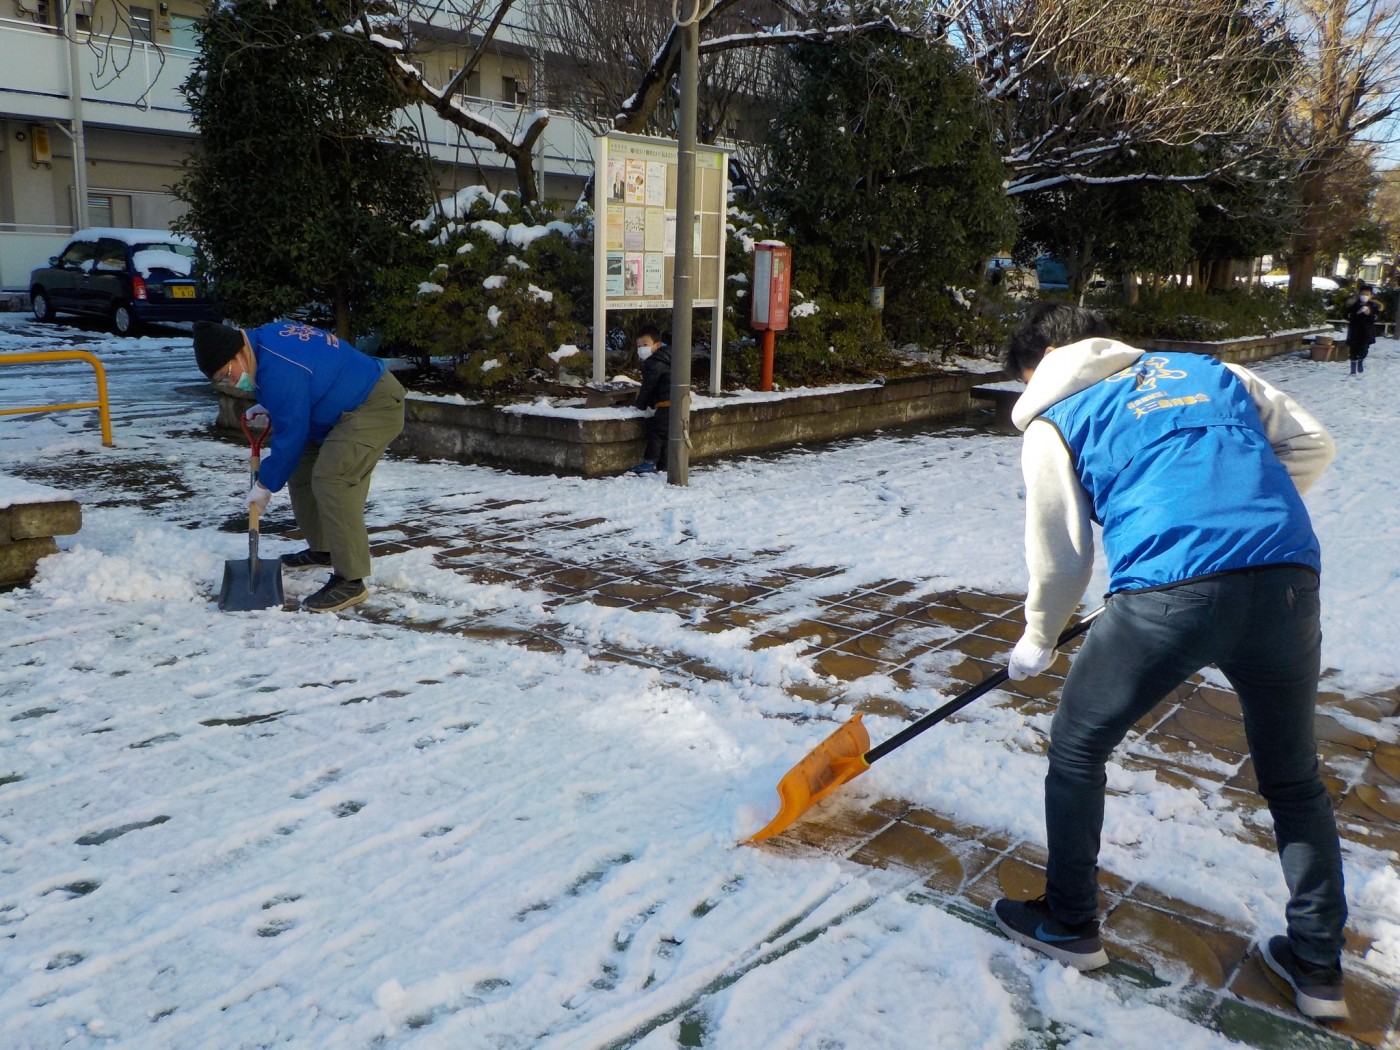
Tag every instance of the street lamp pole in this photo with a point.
(683, 311)
(75, 93)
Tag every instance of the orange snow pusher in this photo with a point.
(847, 753)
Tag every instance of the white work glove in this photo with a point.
(1028, 660)
(258, 497)
(257, 418)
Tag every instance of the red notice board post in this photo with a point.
(772, 285)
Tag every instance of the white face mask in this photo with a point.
(1365, 297)
(644, 352)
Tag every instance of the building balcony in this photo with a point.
(138, 88)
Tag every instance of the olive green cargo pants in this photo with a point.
(331, 481)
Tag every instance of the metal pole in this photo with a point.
(683, 313)
(600, 259)
(75, 97)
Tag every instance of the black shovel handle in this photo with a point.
(960, 701)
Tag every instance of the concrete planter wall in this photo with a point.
(596, 442)
(1241, 351)
(27, 531)
(599, 442)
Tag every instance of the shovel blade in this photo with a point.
(248, 585)
(837, 759)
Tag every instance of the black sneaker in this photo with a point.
(1030, 923)
(1317, 990)
(338, 593)
(307, 559)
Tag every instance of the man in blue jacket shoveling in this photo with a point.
(1195, 470)
(333, 412)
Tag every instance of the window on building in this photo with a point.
(471, 86)
(142, 23)
(99, 210)
(184, 33)
(513, 90)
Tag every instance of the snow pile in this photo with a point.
(155, 258)
(14, 491)
(459, 206)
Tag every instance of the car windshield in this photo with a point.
(173, 258)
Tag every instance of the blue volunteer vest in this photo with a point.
(1181, 475)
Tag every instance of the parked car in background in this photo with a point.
(1052, 273)
(1280, 280)
(131, 277)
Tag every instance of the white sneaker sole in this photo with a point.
(1074, 960)
(356, 600)
(1308, 1005)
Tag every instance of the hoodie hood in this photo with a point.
(1068, 369)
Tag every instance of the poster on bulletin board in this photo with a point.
(636, 196)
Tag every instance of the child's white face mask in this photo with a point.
(644, 352)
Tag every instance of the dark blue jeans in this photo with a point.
(1261, 628)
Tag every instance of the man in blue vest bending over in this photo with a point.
(1195, 470)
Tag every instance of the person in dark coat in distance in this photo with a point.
(1361, 318)
(654, 393)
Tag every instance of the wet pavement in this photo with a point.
(946, 642)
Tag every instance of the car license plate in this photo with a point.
(181, 291)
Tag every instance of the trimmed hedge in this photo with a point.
(1196, 317)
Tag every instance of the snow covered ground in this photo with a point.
(279, 829)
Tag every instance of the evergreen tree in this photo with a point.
(884, 167)
(1242, 213)
(305, 183)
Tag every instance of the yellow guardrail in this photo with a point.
(41, 357)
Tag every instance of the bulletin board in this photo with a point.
(634, 202)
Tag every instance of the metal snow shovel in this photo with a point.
(847, 753)
(255, 583)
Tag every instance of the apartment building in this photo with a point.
(115, 81)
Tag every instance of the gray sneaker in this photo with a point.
(1031, 923)
(1317, 990)
(307, 559)
(338, 593)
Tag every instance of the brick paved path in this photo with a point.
(945, 641)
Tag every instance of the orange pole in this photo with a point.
(104, 412)
(765, 376)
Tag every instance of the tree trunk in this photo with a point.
(1302, 252)
(874, 274)
(1302, 265)
(1078, 267)
(342, 314)
(1222, 275)
(1130, 289)
(519, 148)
